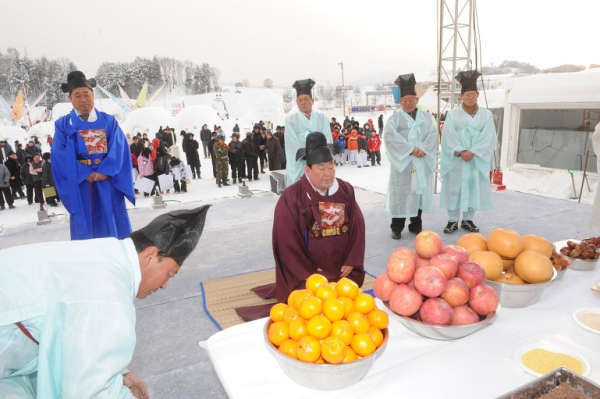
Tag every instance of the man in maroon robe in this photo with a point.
(318, 225)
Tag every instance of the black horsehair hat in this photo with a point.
(304, 87)
(75, 80)
(177, 233)
(407, 84)
(468, 80)
(317, 150)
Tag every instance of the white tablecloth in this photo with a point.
(478, 366)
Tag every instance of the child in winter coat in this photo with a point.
(340, 144)
(374, 148)
(362, 151)
(177, 170)
(353, 147)
(146, 166)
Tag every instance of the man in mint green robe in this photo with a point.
(468, 144)
(411, 140)
(299, 125)
(67, 314)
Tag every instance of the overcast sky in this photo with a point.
(285, 40)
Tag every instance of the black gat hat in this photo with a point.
(304, 86)
(407, 84)
(468, 80)
(317, 150)
(76, 79)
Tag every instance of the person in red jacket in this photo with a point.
(375, 147)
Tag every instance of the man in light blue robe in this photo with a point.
(468, 144)
(299, 125)
(67, 314)
(411, 140)
(91, 165)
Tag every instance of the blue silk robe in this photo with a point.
(401, 135)
(82, 315)
(466, 185)
(297, 127)
(97, 209)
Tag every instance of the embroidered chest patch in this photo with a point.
(95, 140)
(333, 216)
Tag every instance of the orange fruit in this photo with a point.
(377, 335)
(346, 287)
(277, 310)
(333, 350)
(378, 319)
(278, 332)
(310, 307)
(325, 292)
(348, 303)
(359, 323)
(350, 355)
(297, 329)
(289, 347)
(320, 361)
(334, 309)
(299, 297)
(319, 327)
(290, 314)
(290, 300)
(309, 349)
(364, 303)
(343, 330)
(363, 344)
(332, 284)
(314, 281)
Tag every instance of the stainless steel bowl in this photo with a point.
(520, 295)
(561, 273)
(325, 377)
(443, 332)
(582, 264)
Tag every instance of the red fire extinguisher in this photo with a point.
(497, 177)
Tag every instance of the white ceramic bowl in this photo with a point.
(325, 377)
(434, 331)
(520, 295)
(582, 311)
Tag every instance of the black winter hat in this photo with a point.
(75, 80)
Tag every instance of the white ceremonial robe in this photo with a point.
(76, 299)
(402, 134)
(466, 185)
(297, 127)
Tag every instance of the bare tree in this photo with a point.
(268, 83)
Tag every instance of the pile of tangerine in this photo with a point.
(327, 322)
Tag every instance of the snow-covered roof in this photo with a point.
(573, 87)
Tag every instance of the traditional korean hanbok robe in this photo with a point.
(82, 315)
(466, 185)
(297, 127)
(411, 183)
(97, 209)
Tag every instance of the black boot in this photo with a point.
(219, 183)
(225, 183)
(239, 179)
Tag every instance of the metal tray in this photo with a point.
(548, 382)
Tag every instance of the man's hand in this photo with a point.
(346, 270)
(135, 385)
(12, 178)
(467, 156)
(417, 152)
(95, 176)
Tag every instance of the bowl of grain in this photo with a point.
(588, 319)
(542, 357)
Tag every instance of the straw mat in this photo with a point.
(221, 296)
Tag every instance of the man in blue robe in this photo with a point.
(468, 144)
(68, 331)
(91, 165)
(299, 125)
(411, 140)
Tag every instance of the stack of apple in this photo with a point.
(435, 284)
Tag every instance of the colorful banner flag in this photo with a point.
(153, 97)
(141, 100)
(115, 99)
(37, 100)
(17, 109)
(4, 109)
(125, 97)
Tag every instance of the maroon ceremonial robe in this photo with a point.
(312, 231)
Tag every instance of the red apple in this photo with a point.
(471, 273)
(436, 311)
(430, 281)
(400, 268)
(446, 263)
(411, 283)
(428, 244)
(404, 300)
(460, 254)
(421, 262)
(456, 292)
(406, 251)
(464, 315)
(383, 287)
(483, 299)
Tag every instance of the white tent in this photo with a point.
(429, 102)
